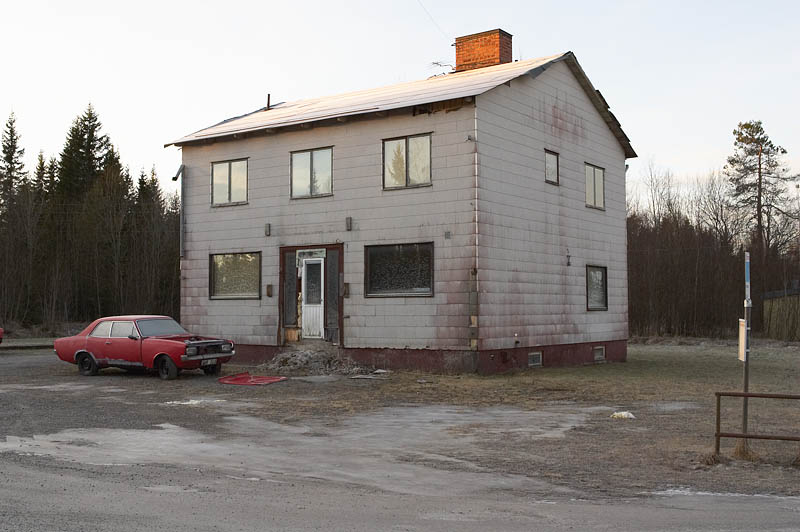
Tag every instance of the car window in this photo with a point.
(160, 327)
(122, 329)
(102, 329)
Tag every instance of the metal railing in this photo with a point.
(749, 436)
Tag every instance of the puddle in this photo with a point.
(383, 449)
(196, 402)
(171, 489)
(674, 406)
(63, 387)
(687, 492)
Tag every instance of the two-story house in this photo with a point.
(469, 221)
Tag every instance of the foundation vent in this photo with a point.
(535, 359)
(599, 353)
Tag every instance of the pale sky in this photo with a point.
(678, 75)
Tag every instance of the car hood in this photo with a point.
(184, 338)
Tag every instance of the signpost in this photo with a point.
(744, 340)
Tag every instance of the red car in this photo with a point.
(149, 342)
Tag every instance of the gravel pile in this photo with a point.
(313, 362)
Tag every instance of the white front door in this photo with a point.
(313, 307)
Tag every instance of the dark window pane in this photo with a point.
(596, 294)
(159, 327)
(313, 295)
(551, 167)
(394, 163)
(102, 329)
(301, 174)
(400, 269)
(121, 329)
(239, 181)
(219, 173)
(235, 275)
(419, 160)
(322, 176)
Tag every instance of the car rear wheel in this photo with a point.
(213, 370)
(86, 365)
(167, 369)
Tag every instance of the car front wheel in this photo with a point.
(167, 369)
(86, 365)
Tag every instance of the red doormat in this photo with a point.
(245, 379)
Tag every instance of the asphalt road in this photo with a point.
(129, 452)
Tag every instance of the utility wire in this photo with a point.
(433, 20)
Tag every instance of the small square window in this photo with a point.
(595, 186)
(312, 173)
(551, 167)
(407, 162)
(235, 276)
(596, 288)
(229, 182)
(599, 353)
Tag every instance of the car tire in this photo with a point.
(216, 369)
(167, 369)
(87, 365)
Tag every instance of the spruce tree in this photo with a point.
(40, 174)
(85, 155)
(12, 169)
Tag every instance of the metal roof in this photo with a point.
(434, 89)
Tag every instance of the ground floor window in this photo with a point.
(235, 276)
(399, 270)
(596, 288)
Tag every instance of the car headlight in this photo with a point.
(226, 348)
(191, 350)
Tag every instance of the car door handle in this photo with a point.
(108, 343)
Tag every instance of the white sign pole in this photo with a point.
(748, 309)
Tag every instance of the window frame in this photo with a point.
(92, 335)
(557, 182)
(432, 291)
(134, 329)
(311, 170)
(429, 134)
(211, 295)
(229, 162)
(594, 168)
(605, 287)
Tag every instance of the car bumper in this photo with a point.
(206, 356)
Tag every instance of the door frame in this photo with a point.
(321, 262)
(280, 336)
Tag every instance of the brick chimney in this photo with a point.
(483, 49)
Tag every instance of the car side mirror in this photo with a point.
(133, 337)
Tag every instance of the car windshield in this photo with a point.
(160, 327)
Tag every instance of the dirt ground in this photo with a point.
(668, 385)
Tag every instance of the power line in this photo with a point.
(433, 20)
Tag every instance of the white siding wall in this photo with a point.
(400, 216)
(527, 226)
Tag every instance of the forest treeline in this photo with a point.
(686, 244)
(79, 237)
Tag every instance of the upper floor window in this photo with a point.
(595, 186)
(312, 173)
(407, 161)
(551, 167)
(229, 182)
